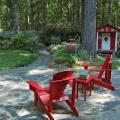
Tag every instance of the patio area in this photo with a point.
(16, 100)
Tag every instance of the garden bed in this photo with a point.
(79, 58)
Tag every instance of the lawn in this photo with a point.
(15, 58)
(115, 63)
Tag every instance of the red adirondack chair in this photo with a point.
(106, 68)
(67, 74)
(99, 80)
(47, 97)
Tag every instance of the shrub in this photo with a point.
(55, 40)
(24, 39)
(7, 35)
(78, 39)
(81, 54)
(59, 32)
(61, 54)
(117, 53)
(19, 40)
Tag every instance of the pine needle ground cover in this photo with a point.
(15, 58)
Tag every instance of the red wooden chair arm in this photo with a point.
(37, 86)
(68, 78)
(98, 70)
(90, 65)
(93, 65)
(46, 89)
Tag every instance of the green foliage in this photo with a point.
(15, 58)
(115, 62)
(78, 39)
(81, 54)
(19, 40)
(55, 40)
(117, 53)
(25, 40)
(56, 34)
(7, 35)
(61, 55)
(69, 14)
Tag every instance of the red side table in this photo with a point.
(85, 83)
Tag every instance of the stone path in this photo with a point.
(16, 100)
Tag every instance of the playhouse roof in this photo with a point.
(107, 28)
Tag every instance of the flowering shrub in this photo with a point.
(61, 54)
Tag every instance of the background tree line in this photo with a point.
(60, 18)
(40, 14)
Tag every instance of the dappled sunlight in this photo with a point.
(62, 116)
(4, 83)
(17, 97)
(9, 81)
(38, 71)
(9, 84)
(118, 67)
(18, 100)
(101, 97)
(22, 112)
(23, 54)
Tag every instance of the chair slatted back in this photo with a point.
(59, 83)
(104, 66)
(57, 88)
(63, 75)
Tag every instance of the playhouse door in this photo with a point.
(106, 41)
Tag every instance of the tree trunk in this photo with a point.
(60, 9)
(27, 15)
(89, 26)
(73, 11)
(15, 4)
(78, 12)
(38, 21)
(45, 15)
(109, 11)
(32, 15)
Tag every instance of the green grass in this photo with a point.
(15, 58)
(115, 63)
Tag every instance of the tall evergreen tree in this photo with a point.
(109, 11)
(15, 4)
(89, 26)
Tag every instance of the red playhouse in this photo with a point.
(107, 39)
